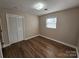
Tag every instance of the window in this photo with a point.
(51, 23)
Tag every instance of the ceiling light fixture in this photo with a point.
(39, 6)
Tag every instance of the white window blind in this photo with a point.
(51, 23)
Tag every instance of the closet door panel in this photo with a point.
(20, 28)
(15, 28)
(12, 29)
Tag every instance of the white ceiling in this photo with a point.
(27, 5)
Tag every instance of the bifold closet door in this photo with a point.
(20, 28)
(15, 28)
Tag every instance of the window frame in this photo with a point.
(51, 27)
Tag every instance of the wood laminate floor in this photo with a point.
(39, 47)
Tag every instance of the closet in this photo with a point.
(15, 28)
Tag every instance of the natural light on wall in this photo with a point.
(51, 22)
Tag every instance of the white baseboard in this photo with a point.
(50, 39)
(62, 43)
(31, 37)
(58, 41)
(6, 45)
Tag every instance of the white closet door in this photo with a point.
(20, 28)
(15, 30)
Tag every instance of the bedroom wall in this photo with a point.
(66, 31)
(30, 24)
(67, 26)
